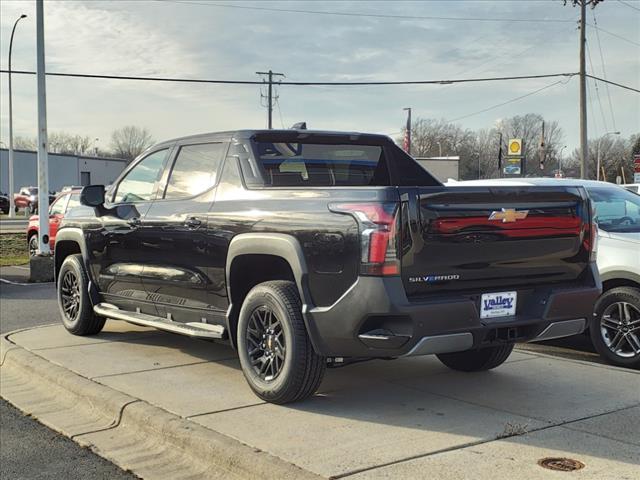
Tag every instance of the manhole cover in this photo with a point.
(560, 464)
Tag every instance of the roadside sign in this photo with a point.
(636, 168)
(513, 166)
(515, 147)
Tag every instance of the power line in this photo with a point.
(372, 15)
(256, 82)
(510, 101)
(629, 5)
(592, 117)
(626, 87)
(595, 84)
(604, 73)
(625, 39)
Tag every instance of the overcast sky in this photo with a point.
(197, 39)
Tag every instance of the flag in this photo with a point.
(407, 134)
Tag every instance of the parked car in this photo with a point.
(305, 249)
(615, 327)
(4, 203)
(27, 198)
(57, 210)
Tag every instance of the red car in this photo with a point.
(62, 204)
(27, 198)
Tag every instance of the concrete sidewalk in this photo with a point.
(408, 418)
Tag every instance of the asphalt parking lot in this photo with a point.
(378, 419)
(28, 449)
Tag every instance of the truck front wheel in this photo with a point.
(275, 352)
(73, 298)
(477, 360)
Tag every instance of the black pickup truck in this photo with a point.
(308, 249)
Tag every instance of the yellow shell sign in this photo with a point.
(515, 146)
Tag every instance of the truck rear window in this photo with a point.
(321, 165)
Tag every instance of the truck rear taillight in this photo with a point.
(378, 227)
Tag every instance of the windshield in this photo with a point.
(617, 209)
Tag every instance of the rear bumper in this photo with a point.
(374, 318)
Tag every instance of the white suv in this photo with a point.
(615, 328)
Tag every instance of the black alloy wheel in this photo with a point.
(70, 295)
(73, 298)
(275, 351)
(265, 343)
(615, 329)
(33, 245)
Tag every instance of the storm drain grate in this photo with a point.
(560, 464)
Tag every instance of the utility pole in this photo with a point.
(500, 155)
(584, 146)
(407, 137)
(12, 212)
(43, 164)
(542, 151)
(270, 75)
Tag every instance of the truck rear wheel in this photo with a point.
(73, 298)
(477, 360)
(275, 352)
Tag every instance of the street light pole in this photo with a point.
(598, 153)
(43, 143)
(560, 161)
(12, 212)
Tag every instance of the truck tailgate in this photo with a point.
(479, 238)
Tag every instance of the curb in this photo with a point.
(137, 436)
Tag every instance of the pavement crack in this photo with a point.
(482, 442)
(225, 410)
(113, 425)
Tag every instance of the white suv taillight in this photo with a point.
(378, 227)
(593, 253)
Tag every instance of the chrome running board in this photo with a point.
(191, 329)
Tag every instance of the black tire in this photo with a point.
(477, 360)
(297, 370)
(603, 330)
(72, 288)
(32, 244)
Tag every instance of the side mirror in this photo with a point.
(92, 196)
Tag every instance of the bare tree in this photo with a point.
(616, 156)
(59, 142)
(478, 151)
(528, 127)
(130, 141)
(24, 143)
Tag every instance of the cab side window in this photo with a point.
(195, 170)
(58, 206)
(139, 184)
(74, 201)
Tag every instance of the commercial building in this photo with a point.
(443, 168)
(63, 170)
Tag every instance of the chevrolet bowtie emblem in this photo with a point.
(508, 215)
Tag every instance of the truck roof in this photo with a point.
(245, 134)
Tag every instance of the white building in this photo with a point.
(63, 170)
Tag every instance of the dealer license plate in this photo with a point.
(500, 304)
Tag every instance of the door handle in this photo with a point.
(134, 222)
(193, 222)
